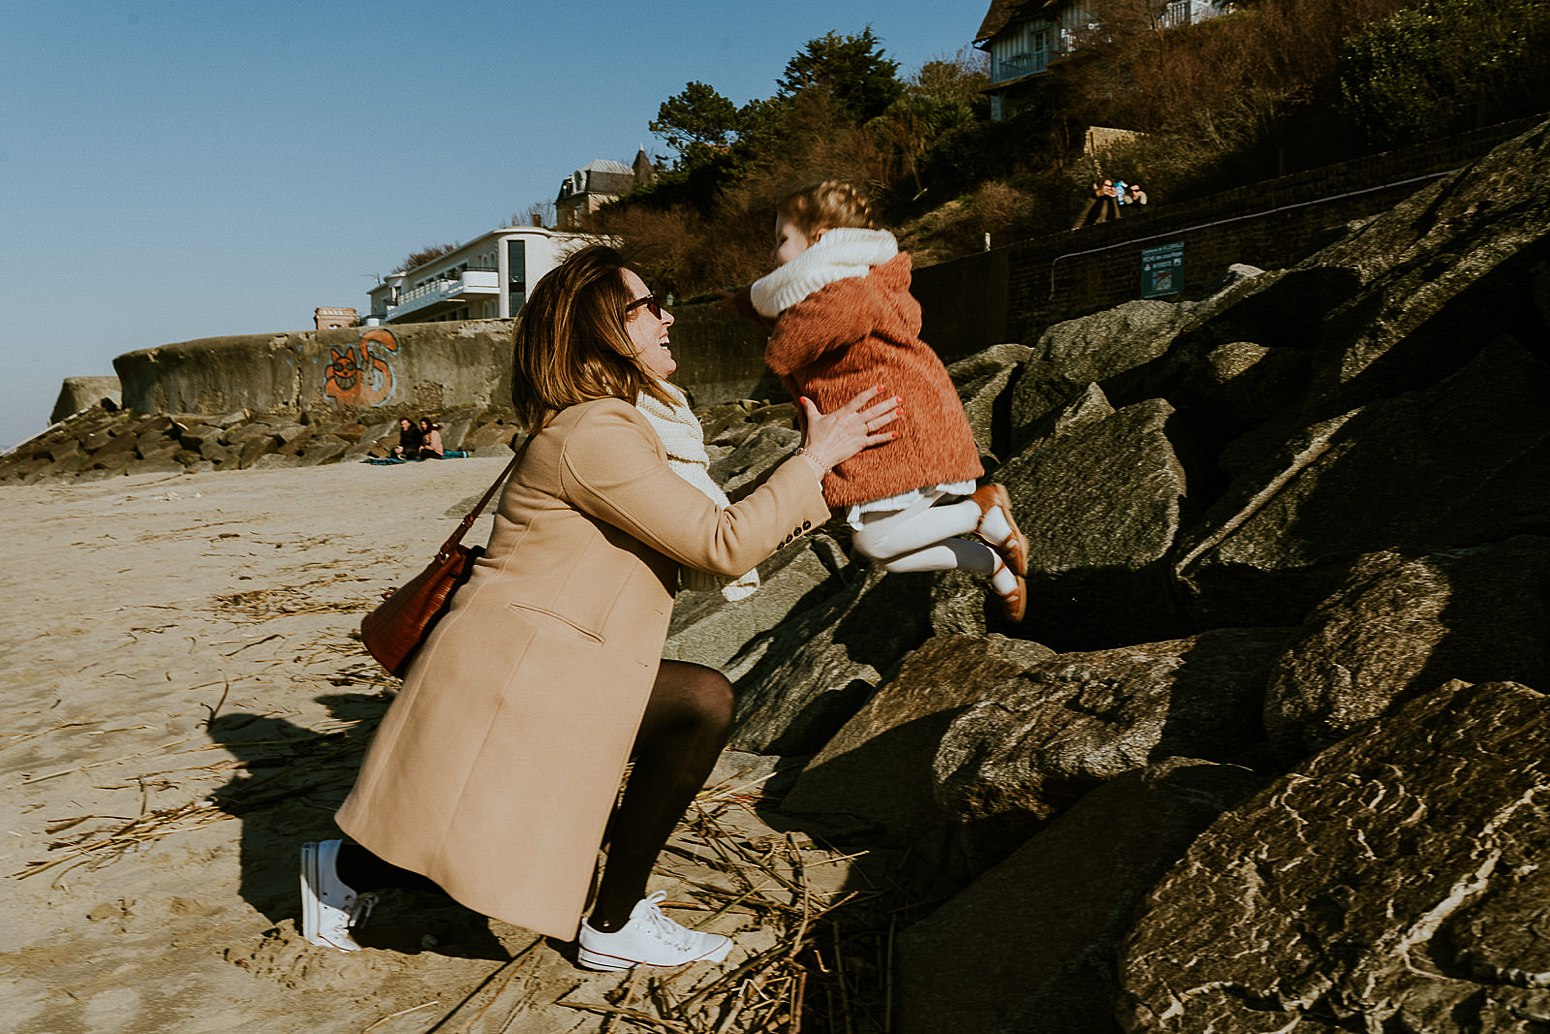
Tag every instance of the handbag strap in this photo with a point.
(468, 522)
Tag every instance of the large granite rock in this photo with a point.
(982, 381)
(1030, 947)
(875, 777)
(733, 636)
(1101, 504)
(822, 663)
(1137, 350)
(745, 468)
(1071, 355)
(1035, 743)
(1444, 270)
(1463, 463)
(1405, 625)
(1396, 882)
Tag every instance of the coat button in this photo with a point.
(806, 525)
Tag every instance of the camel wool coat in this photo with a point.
(497, 766)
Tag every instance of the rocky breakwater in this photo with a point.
(1270, 750)
(102, 442)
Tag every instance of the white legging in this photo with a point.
(926, 539)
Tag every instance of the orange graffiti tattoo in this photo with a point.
(365, 379)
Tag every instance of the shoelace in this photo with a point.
(360, 908)
(667, 931)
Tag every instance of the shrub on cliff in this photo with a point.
(1446, 66)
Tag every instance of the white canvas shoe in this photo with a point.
(649, 939)
(329, 908)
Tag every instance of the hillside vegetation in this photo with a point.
(1271, 87)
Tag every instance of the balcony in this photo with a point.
(469, 283)
(1015, 66)
(1179, 13)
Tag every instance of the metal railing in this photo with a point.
(442, 288)
(1019, 65)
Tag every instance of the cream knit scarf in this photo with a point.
(837, 255)
(684, 440)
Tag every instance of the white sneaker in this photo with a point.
(329, 908)
(649, 939)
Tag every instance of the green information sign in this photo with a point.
(1162, 270)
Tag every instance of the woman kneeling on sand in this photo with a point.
(495, 771)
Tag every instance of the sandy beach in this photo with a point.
(186, 702)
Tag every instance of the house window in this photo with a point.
(516, 274)
(1023, 51)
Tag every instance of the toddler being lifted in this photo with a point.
(844, 321)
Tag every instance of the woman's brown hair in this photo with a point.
(570, 344)
(829, 205)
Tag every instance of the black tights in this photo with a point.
(687, 722)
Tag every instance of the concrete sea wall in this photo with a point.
(407, 368)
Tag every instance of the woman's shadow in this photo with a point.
(289, 782)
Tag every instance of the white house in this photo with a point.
(1025, 36)
(597, 183)
(487, 278)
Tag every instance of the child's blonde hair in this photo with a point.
(829, 205)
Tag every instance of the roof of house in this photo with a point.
(1002, 13)
(599, 176)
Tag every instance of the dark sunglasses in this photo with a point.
(651, 302)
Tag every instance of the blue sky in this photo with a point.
(173, 170)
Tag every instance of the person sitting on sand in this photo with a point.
(409, 439)
(430, 449)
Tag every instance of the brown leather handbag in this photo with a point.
(396, 627)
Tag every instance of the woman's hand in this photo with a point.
(833, 438)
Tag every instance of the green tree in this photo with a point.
(941, 100)
(699, 115)
(852, 70)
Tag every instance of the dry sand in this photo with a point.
(186, 702)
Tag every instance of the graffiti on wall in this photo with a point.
(361, 375)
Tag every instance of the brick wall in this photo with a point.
(1270, 224)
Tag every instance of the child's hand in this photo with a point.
(740, 302)
(833, 438)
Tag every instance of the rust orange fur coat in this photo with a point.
(863, 331)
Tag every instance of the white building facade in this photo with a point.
(487, 278)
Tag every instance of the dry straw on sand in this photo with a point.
(196, 705)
